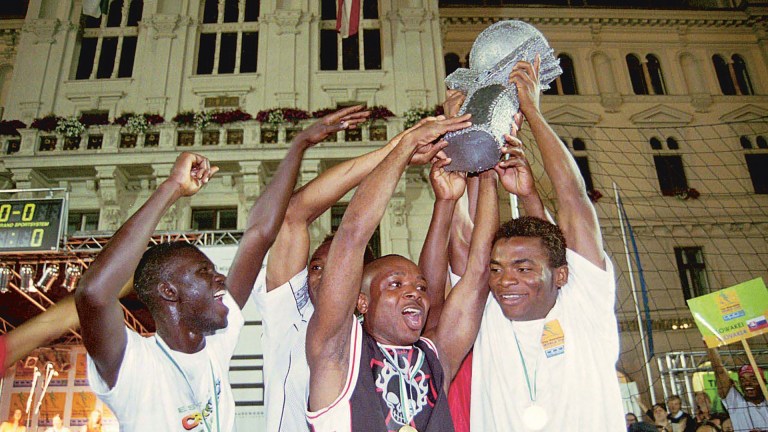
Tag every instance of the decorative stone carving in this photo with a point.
(43, 29)
(287, 21)
(412, 18)
(164, 25)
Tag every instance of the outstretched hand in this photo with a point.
(525, 77)
(515, 172)
(347, 118)
(424, 135)
(448, 185)
(191, 172)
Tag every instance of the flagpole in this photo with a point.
(634, 295)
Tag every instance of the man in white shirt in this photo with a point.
(748, 409)
(177, 379)
(545, 355)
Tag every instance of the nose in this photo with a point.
(412, 293)
(509, 278)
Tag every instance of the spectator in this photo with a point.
(676, 416)
(703, 407)
(748, 411)
(631, 419)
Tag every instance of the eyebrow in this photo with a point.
(515, 262)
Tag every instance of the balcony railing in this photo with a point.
(168, 136)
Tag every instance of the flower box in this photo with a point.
(290, 133)
(210, 137)
(47, 143)
(235, 136)
(378, 132)
(71, 143)
(127, 140)
(152, 139)
(14, 145)
(269, 135)
(95, 142)
(353, 135)
(186, 138)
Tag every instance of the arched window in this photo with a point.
(636, 75)
(656, 144)
(732, 76)
(579, 145)
(672, 144)
(743, 83)
(654, 74)
(745, 142)
(452, 62)
(565, 84)
(761, 142)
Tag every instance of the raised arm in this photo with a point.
(576, 215)
(328, 331)
(433, 261)
(460, 320)
(516, 177)
(722, 379)
(96, 298)
(267, 214)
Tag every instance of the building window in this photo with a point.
(337, 213)
(693, 273)
(229, 37)
(732, 75)
(565, 84)
(214, 219)
(757, 164)
(82, 221)
(359, 52)
(669, 169)
(646, 76)
(108, 43)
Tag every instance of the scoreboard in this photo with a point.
(31, 225)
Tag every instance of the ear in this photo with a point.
(561, 276)
(362, 303)
(167, 292)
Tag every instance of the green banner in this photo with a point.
(732, 314)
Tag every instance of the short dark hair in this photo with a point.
(368, 255)
(529, 226)
(149, 271)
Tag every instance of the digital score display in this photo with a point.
(30, 225)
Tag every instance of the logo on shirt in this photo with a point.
(729, 305)
(201, 416)
(553, 339)
(404, 386)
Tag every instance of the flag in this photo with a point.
(347, 17)
(95, 8)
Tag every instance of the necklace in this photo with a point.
(405, 375)
(192, 391)
(535, 417)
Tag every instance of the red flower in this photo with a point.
(93, 119)
(380, 112)
(224, 117)
(46, 124)
(9, 127)
(184, 118)
(323, 112)
(154, 119)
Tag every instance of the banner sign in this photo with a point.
(732, 314)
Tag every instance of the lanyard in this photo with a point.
(192, 391)
(404, 376)
(531, 389)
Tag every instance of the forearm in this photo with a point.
(459, 238)
(486, 224)
(115, 264)
(317, 196)
(433, 260)
(722, 379)
(532, 206)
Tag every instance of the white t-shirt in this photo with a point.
(152, 394)
(745, 416)
(570, 355)
(285, 313)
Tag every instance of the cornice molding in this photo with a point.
(600, 22)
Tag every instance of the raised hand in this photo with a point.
(191, 171)
(453, 101)
(515, 172)
(448, 185)
(525, 77)
(347, 118)
(424, 135)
